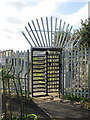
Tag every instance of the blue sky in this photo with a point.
(15, 14)
(70, 7)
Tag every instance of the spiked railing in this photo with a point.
(50, 32)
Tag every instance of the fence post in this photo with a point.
(62, 72)
(28, 77)
(17, 66)
(89, 74)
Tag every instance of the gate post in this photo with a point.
(62, 72)
(28, 67)
(32, 72)
(46, 73)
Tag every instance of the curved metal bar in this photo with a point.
(14, 82)
(8, 78)
(25, 80)
(19, 80)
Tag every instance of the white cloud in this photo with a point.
(14, 15)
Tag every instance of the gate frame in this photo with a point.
(60, 64)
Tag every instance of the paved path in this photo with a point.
(64, 110)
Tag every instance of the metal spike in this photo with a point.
(44, 31)
(59, 32)
(30, 36)
(60, 40)
(40, 32)
(68, 35)
(26, 38)
(33, 34)
(48, 31)
(37, 33)
(55, 35)
(65, 35)
(51, 30)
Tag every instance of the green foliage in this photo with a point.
(84, 32)
(73, 98)
(84, 102)
(28, 117)
(5, 75)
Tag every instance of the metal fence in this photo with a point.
(15, 72)
(76, 72)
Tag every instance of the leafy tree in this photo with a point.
(84, 33)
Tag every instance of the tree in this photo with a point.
(84, 33)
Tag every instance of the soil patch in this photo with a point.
(29, 106)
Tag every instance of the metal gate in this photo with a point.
(46, 69)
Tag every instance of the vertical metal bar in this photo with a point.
(44, 31)
(75, 71)
(46, 73)
(81, 78)
(40, 32)
(62, 71)
(28, 78)
(68, 35)
(79, 85)
(60, 83)
(61, 36)
(65, 35)
(85, 82)
(51, 31)
(37, 33)
(32, 70)
(55, 34)
(33, 34)
(71, 73)
(48, 31)
(59, 32)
